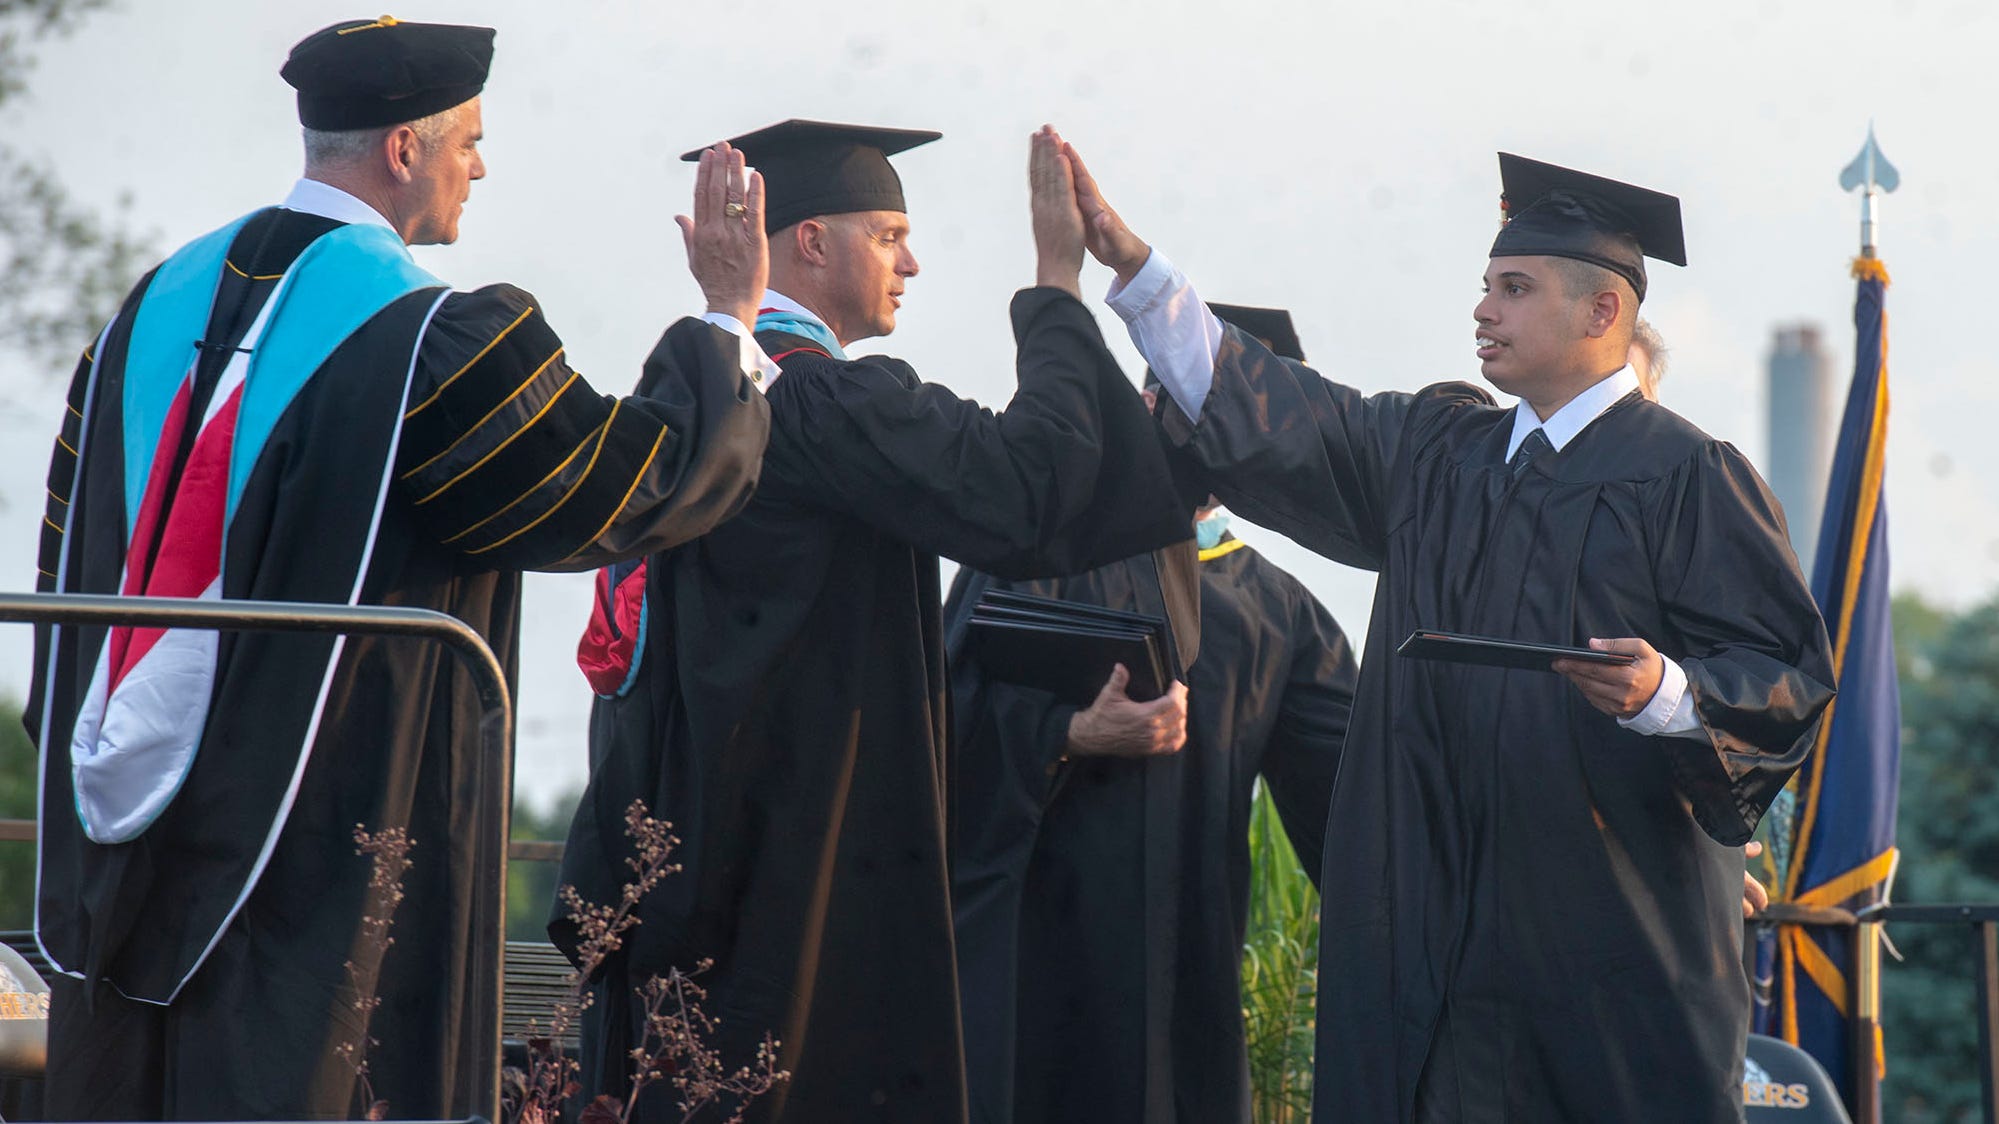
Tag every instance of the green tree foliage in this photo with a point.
(1280, 972)
(1949, 836)
(63, 268)
(17, 801)
(531, 885)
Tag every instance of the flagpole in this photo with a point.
(1866, 1002)
(1872, 176)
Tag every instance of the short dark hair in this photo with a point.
(1581, 279)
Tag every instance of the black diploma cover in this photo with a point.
(1488, 651)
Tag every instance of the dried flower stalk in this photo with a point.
(675, 1042)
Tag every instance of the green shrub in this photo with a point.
(1280, 972)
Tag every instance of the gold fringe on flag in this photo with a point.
(1870, 269)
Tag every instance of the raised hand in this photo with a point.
(727, 250)
(1109, 239)
(1116, 726)
(1058, 224)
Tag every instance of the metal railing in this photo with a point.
(1982, 923)
(492, 770)
(1863, 988)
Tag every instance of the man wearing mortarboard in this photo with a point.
(290, 409)
(787, 705)
(1100, 883)
(1533, 897)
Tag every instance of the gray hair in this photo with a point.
(325, 149)
(1647, 339)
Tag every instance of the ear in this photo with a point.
(812, 238)
(400, 150)
(1603, 312)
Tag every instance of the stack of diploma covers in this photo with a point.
(1066, 647)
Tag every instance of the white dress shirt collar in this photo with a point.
(775, 301)
(312, 197)
(1571, 419)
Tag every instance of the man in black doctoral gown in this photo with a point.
(289, 409)
(1101, 892)
(1533, 895)
(789, 708)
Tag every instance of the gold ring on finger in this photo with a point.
(734, 209)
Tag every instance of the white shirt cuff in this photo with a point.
(1171, 328)
(1671, 711)
(757, 367)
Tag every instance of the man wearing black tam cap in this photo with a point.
(785, 703)
(290, 409)
(1532, 880)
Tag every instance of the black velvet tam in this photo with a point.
(363, 74)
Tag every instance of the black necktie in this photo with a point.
(1531, 446)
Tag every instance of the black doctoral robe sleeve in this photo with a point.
(1753, 645)
(62, 478)
(1304, 455)
(1302, 758)
(519, 464)
(1071, 476)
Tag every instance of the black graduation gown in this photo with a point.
(502, 459)
(790, 716)
(1101, 904)
(1531, 913)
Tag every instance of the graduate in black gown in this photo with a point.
(1532, 879)
(289, 409)
(1101, 891)
(789, 712)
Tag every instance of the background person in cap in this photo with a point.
(289, 409)
(788, 708)
(1534, 897)
(1100, 880)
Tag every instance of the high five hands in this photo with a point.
(727, 250)
(1070, 215)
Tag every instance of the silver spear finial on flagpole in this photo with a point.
(1871, 173)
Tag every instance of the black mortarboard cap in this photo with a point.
(1559, 212)
(363, 74)
(1272, 326)
(820, 168)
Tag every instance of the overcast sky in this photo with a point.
(1336, 159)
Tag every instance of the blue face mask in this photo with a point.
(1208, 531)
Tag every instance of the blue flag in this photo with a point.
(1841, 837)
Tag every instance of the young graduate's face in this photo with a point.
(869, 263)
(1529, 328)
(441, 180)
